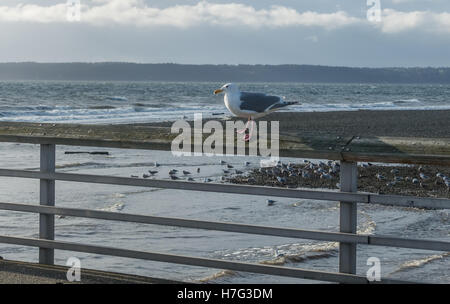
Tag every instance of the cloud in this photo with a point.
(395, 21)
(137, 13)
(33, 13)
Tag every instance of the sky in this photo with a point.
(356, 33)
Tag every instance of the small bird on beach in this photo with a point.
(230, 166)
(281, 180)
(250, 105)
(270, 202)
(394, 171)
(173, 172)
(305, 174)
(379, 176)
(398, 178)
(423, 176)
(325, 176)
(251, 180)
(152, 172)
(186, 172)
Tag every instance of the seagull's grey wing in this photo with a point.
(258, 102)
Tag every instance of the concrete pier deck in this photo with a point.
(14, 272)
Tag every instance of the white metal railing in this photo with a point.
(347, 237)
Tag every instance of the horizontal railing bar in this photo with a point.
(193, 261)
(409, 201)
(409, 243)
(193, 186)
(358, 197)
(189, 223)
(235, 227)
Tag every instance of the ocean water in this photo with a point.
(117, 103)
(125, 102)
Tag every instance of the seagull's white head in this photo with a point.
(228, 88)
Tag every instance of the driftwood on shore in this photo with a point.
(432, 151)
(87, 152)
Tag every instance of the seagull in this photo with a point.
(250, 105)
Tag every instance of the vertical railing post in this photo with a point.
(348, 217)
(47, 198)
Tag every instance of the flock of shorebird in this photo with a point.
(174, 174)
(415, 180)
(282, 174)
(283, 171)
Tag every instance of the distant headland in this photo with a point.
(118, 71)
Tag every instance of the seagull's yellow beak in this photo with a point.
(218, 91)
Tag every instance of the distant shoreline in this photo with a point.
(121, 71)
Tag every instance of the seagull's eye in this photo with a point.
(226, 87)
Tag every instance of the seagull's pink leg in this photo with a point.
(245, 129)
(248, 136)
